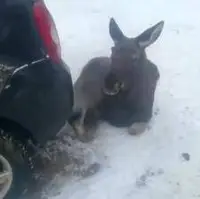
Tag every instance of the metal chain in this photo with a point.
(7, 71)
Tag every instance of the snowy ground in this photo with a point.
(151, 165)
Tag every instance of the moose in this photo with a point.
(118, 89)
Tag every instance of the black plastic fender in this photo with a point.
(39, 98)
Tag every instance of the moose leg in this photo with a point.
(79, 125)
(140, 122)
(85, 127)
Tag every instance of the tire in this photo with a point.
(20, 174)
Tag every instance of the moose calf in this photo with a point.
(118, 89)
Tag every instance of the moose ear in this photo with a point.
(115, 32)
(150, 35)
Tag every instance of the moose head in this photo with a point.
(128, 57)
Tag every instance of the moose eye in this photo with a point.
(117, 49)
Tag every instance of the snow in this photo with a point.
(150, 165)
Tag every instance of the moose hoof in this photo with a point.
(91, 170)
(88, 171)
(86, 138)
(84, 134)
(137, 128)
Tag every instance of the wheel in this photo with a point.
(15, 168)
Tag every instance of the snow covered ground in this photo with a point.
(164, 162)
